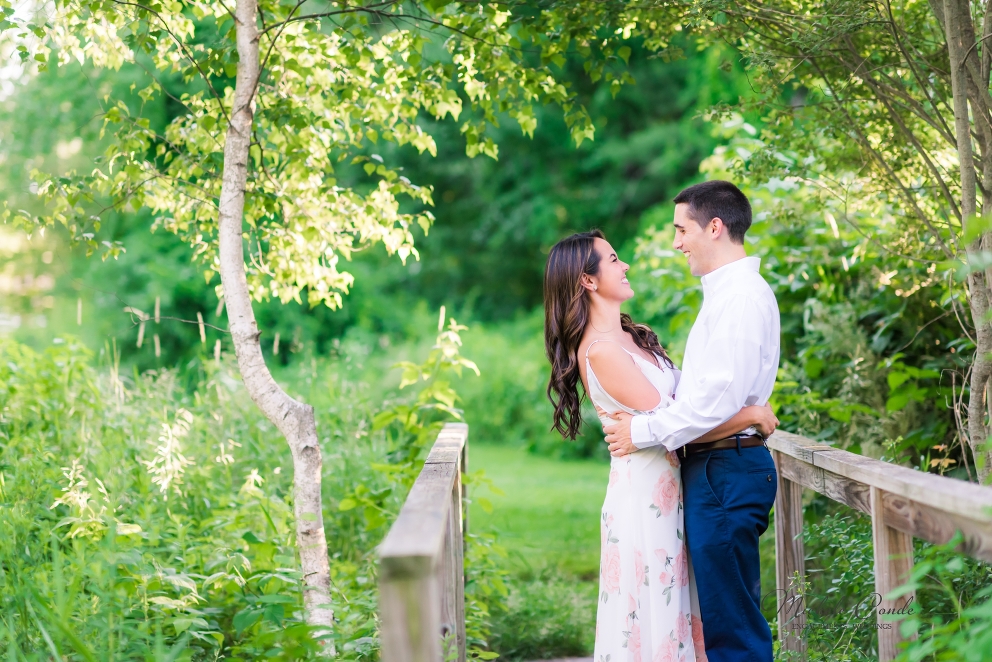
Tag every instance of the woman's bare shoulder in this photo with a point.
(592, 344)
(608, 354)
(621, 377)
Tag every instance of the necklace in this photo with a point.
(597, 330)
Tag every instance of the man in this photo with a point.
(731, 359)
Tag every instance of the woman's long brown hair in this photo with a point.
(566, 313)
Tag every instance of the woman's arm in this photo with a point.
(621, 378)
(760, 416)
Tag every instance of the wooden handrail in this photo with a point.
(421, 561)
(903, 504)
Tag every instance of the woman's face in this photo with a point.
(611, 281)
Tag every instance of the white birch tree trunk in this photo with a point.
(295, 420)
(960, 34)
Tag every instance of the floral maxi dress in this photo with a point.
(647, 609)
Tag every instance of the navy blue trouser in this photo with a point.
(728, 494)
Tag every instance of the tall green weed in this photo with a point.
(149, 516)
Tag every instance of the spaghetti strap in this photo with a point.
(656, 363)
(605, 340)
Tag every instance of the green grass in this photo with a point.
(548, 516)
(548, 520)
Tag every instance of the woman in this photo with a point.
(647, 609)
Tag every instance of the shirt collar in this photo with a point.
(720, 278)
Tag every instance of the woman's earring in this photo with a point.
(595, 287)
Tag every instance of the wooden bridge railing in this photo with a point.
(421, 561)
(421, 569)
(903, 504)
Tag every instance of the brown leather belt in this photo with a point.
(746, 441)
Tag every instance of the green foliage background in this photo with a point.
(871, 351)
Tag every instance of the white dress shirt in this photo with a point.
(731, 358)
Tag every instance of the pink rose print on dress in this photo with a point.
(682, 630)
(614, 477)
(668, 651)
(698, 644)
(665, 495)
(666, 578)
(634, 643)
(639, 569)
(681, 568)
(604, 529)
(611, 570)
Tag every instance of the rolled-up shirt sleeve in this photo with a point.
(724, 366)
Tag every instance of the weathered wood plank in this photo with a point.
(921, 520)
(893, 564)
(449, 444)
(918, 519)
(414, 542)
(421, 561)
(799, 447)
(464, 469)
(838, 488)
(409, 619)
(789, 557)
(945, 493)
(948, 494)
(413, 545)
(453, 578)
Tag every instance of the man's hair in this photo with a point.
(718, 199)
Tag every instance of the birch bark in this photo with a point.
(295, 420)
(960, 34)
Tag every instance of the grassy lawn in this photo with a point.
(548, 520)
(548, 516)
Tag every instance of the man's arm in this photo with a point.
(723, 373)
(761, 417)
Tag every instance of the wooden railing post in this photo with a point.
(789, 560)
(893, 564)
(421, 567)
(453, 576)
(464, 472)
(409, 613)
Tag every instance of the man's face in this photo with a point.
(696, 243)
